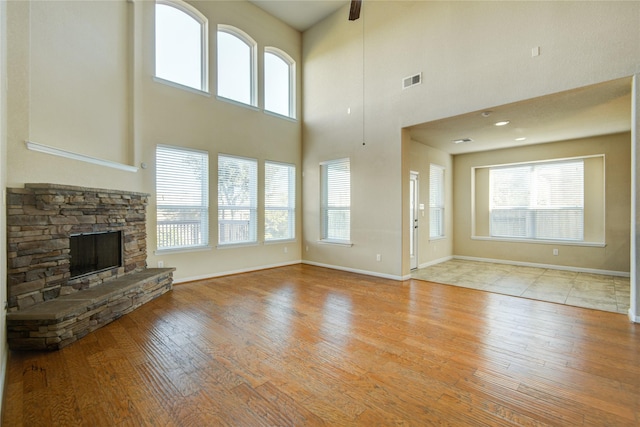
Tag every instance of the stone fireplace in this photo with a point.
(43, 222)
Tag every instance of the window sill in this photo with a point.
(237, 245)
(182, 250)
(275, 242)
(181, 86)
(431, 239)
(238, 103)
(281, 116)
(543, 242)
(345, 243)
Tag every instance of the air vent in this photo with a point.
(411, 80)
(462, 140)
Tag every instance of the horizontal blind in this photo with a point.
(436, 201)
(336, 200)
(237, 199)
(538, 200)
(182, 191)
(279, 201)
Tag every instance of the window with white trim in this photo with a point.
(542, 200)
(182, 192)
(181, 34)
(279, 201)
(335, 190)
(236, 65)
(237, 200)
(436, 201)
(279, 80)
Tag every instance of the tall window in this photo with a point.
(181, 44)
(279, 201)
(279, 78)
(236, 65)
(182, 191)
(237, 200)
(436, 201)
(538, 200)
(336, 200)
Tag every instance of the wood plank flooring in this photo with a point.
(307, 346)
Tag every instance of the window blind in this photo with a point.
(237, 199)
(182, 191)
(538, 201)
(436, 201)
(336, 200)
(279, 201)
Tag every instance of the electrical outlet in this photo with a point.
(555, 252)
(378, 257)
(160, 264)
(285, 250)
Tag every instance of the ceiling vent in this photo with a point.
(411, 80)
(462, 140)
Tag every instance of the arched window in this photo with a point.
(181, 44)
(236, 65)
(279, 82)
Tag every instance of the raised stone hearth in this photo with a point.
(47, 308)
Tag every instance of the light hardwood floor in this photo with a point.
(303, 345)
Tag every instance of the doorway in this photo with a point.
(413, 219)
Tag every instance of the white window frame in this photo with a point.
(289, 207)
(325, 208)
(177, 174)
(253, 68)
(252, 206)
(197, 16)
(292, 80)
(437, 204)
(532, 209)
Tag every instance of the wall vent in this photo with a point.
(412, 80)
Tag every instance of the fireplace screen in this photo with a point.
(91, 253)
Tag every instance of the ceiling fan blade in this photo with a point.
(354, 11)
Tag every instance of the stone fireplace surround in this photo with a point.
(46, 309)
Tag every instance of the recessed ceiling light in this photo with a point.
(522, 138)
(503, 123)
(486, 113)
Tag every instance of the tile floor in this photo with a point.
(608, 293)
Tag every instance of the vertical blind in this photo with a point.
(336, 200)
(279, 201)
(538, 200)
(237, 199)
(436, 201)
(182, 190)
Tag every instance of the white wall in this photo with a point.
(473, 55)
(4, 350)
(81, 80)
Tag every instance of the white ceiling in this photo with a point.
(590, 111)
(300, 14)
(600, 109)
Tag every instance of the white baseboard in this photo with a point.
(549, 266)
(632, 316)
(230, 272)
(355, 270)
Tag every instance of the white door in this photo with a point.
(413, 220)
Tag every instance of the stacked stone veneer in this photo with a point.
(40, 220)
